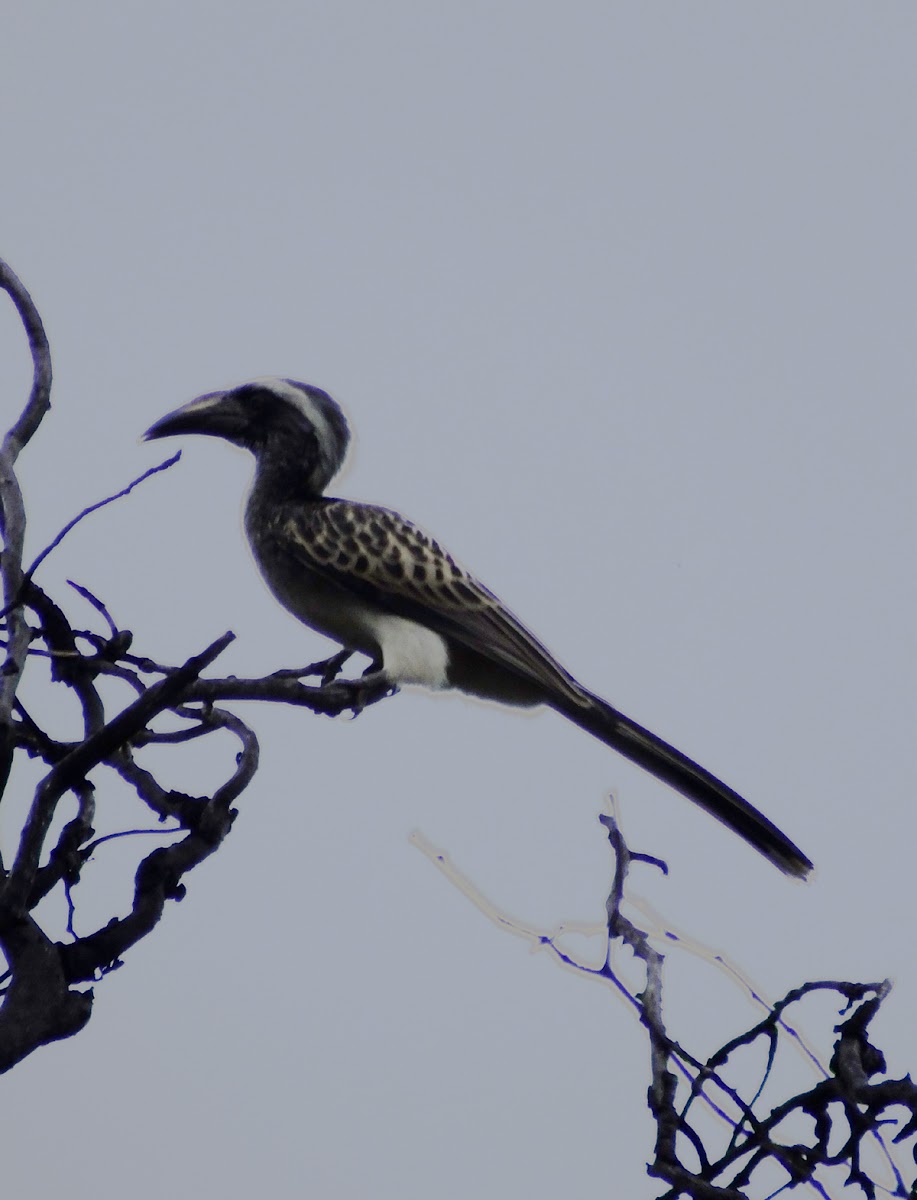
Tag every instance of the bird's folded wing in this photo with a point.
(382, 557)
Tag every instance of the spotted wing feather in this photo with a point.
(379, 554)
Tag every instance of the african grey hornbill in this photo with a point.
(369, 579)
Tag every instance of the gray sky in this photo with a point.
(621, 302)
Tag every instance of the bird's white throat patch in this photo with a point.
(411, 653)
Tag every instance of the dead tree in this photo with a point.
(45, 992)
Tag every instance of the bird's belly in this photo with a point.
(321, 605)
(311, 598)
(410, 652)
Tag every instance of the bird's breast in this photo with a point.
(410, 652)
(315, 600)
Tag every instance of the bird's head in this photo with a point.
(287, 424)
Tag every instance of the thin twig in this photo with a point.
(125, 491)
(123, 833)
(97, 604)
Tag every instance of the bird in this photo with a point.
(371, 580)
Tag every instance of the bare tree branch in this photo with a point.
(71, 771)
(12, 509)
(40, 396)
(39, 1005)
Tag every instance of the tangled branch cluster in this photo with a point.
(809, 1137)
(41, 997)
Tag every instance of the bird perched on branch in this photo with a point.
(371, 580)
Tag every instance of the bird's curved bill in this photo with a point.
(217, 414)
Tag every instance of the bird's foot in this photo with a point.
(372, 686)
(331, 668)
(326, 669)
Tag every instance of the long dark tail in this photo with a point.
(674, 768)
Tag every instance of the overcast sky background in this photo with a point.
(621, 302)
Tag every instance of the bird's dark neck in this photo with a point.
(286, 479)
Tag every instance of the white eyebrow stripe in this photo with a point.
(307, 406)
